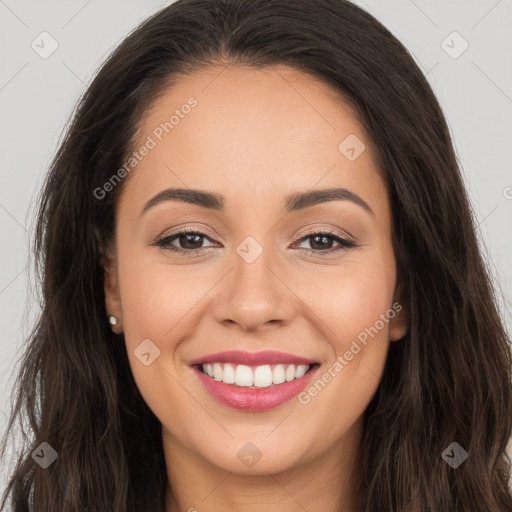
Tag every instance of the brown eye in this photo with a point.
(189, 241)
(319, 241)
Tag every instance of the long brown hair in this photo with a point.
(447, 381)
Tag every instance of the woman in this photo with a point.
(262, 286)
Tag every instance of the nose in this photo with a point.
(255, 296)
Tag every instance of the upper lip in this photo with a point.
(251, 358)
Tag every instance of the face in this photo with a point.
(260, 271)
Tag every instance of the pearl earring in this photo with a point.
(112, 320)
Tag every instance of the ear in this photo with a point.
(399, 324)
(111, 287)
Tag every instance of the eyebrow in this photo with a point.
(292, 203)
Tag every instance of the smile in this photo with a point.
(254, 377)
(253, 382)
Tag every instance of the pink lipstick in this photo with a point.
(254, 381)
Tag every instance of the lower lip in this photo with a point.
(246, 399)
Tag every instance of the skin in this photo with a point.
(255, 137)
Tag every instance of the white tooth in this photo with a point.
(290, 373)
(229, 374)
(278, 376)
(300, 371)
(263, 376)
(243, 375)
(217, 372)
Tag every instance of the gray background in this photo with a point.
(37, 95)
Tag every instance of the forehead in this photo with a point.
(253, 132)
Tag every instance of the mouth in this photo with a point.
(254, 377)
(251, 383)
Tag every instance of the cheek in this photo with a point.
(359, 304)
(357, 310)
(353, 299)
(156, 298)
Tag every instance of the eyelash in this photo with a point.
(166, 240)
